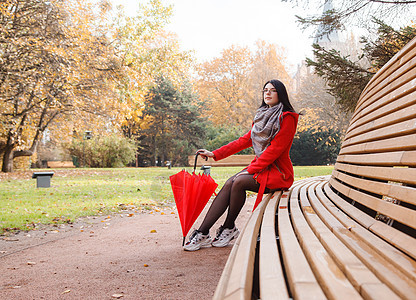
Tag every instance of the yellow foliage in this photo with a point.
(231, 84)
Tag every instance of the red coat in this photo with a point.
(273, 169)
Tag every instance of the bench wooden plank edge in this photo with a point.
(359, 262)
(271, 277)
(391, 66)
(396, 238)
(301, 280)
(236, 280)
(332, 280)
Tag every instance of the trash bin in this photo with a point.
(206, 169)
(43, 179)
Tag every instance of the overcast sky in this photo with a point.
(207, 27)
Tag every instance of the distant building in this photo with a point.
(324, 39)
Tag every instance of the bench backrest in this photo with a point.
(375, 169)
(231, 161)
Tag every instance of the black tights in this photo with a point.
(231, 196)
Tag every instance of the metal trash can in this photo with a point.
(206, 169)
(43, 179)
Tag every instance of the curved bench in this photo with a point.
(351, 235)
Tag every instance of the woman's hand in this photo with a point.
(205, 153)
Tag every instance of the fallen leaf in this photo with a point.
(153, 231)
(146, 265)
(130, 215)
(117, 296)
(10, 239)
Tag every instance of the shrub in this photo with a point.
(111, 151)
(220, 136)
(315, 147)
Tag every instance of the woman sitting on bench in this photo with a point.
(271, 137)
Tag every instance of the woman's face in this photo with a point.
(270, 95)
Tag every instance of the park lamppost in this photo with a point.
(87, 136)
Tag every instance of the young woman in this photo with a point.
(271, 136)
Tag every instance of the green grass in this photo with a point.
(84, 192)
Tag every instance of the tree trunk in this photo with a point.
(10, 154)
(154, 156)
(8, 160)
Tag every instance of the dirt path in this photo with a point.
(128, 256)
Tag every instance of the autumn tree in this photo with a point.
(231, 84)
(147, 51)
(52, 64)
(269, 62)
(223, 84)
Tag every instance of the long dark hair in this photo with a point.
(281, 93)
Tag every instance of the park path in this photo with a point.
(128, 255)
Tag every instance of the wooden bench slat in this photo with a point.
(356, 272)
(387, 233)
(231, 161)
(402, 193)
(240, 280)
(330, 277)
(395, 257)
(225, 276)
(60, 164)
(272, 280)
(397, 86)
(398, 129)
(407, 143)
(401, 175)
(297, 269)
(393, 275)
(397, 158)
(401, 109)
(399, 213)
(366, 105)
(402, 57)
(387, 73)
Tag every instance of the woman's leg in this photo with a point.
(218, 206)
(240, 185)
(231, 196)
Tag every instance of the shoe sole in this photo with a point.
(235, 235)
(197, 247)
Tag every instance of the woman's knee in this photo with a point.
(228, 184)
(243, 182)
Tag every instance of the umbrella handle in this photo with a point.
(196, 157)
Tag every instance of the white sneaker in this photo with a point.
(225, 236)
(197, 241)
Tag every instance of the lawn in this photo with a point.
(85, 192)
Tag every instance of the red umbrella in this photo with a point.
(191, 193)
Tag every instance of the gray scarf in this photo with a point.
(266, 125)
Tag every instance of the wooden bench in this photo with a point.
(351, 235)
(231, 161)
(60, 164)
